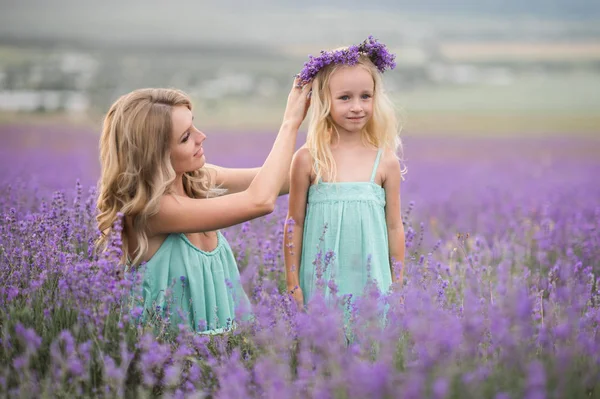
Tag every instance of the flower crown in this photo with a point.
(377, 53)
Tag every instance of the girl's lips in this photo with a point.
(199, 153)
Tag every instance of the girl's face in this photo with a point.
(351, 89)
(187, 153)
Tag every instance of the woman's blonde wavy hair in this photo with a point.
(381, 131)
(136, 169)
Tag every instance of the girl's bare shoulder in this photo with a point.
(390, 163)
(302, 159)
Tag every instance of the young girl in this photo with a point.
(154, 173)
(344, 222)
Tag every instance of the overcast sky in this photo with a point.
(267, 22)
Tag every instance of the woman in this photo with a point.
(154, 174)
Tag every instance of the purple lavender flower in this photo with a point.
(521, 294)
(377, 53)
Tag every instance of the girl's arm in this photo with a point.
(179, 214)
(235, 180)
(393, 217)
(293, 231)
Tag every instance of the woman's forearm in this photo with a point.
(270, 179)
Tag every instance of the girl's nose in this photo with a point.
(355, 106)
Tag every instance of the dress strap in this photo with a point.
(317, 172)
(376, 165)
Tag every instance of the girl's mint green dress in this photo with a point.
(346, 220)
(205, 288)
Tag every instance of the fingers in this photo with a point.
(306, 93)
(299, 85)
(297, 82)
(306, 89)
(298, 101)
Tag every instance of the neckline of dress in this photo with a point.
(345, 182)
(214, 251)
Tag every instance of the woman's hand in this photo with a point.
(297, 104)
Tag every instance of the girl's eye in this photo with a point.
(344, 98)
(186, 137)
(366, 96)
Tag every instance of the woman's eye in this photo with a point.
(186, 137)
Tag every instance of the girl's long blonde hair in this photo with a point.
(136, 169)
(381, 131)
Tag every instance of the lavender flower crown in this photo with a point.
(377, 53)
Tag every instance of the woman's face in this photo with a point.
(187, 153)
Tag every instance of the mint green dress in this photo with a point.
(205, 288)
(345, 238)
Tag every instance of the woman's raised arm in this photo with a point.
(183, 215)
(236, 180)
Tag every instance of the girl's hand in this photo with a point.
(297, 104)
(397, 284)
(298, 296)
(396, 289)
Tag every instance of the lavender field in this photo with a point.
(501, 296)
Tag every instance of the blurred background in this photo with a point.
(475, 67)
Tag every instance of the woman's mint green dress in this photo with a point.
(205, 288)
(346, 220)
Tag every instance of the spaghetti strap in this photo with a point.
(376, 165)
(317, 172)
